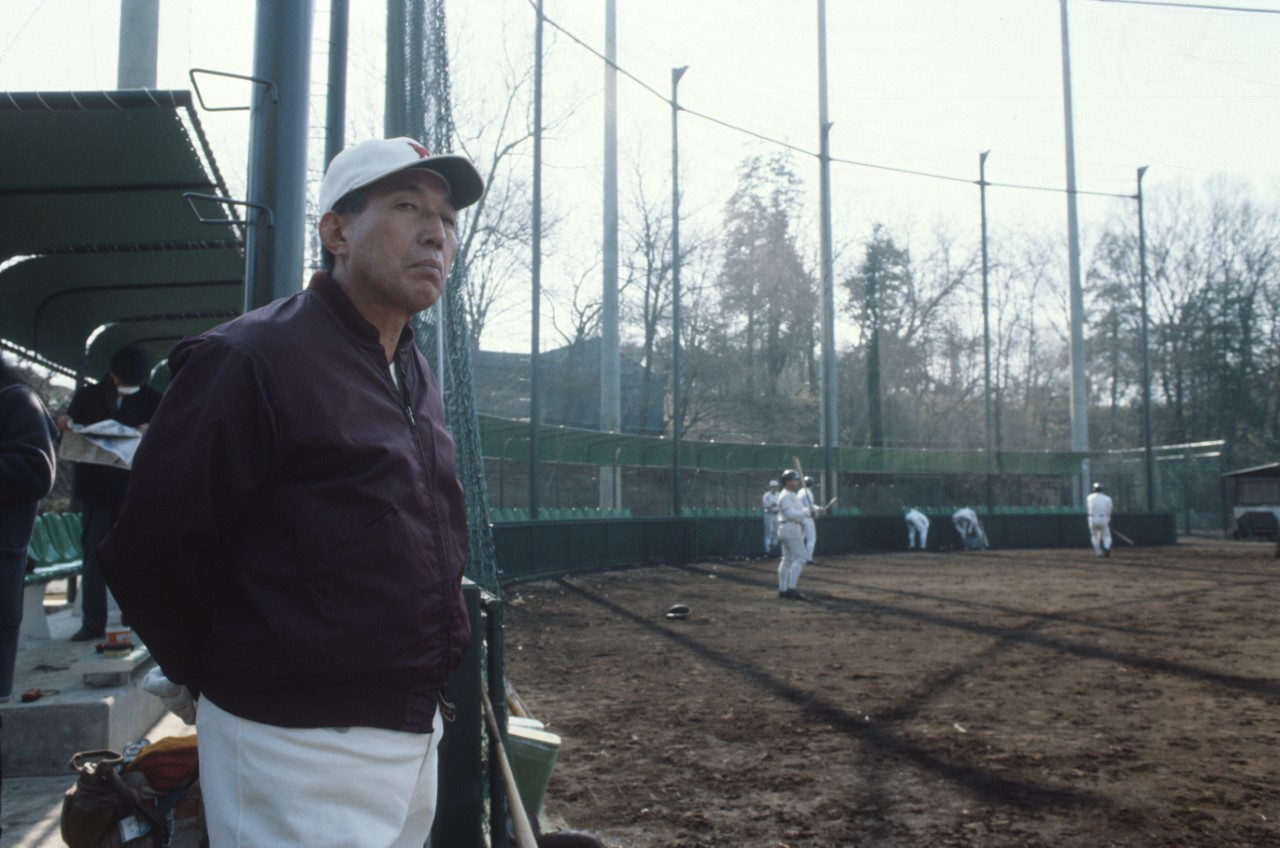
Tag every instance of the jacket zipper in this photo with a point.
(447, 709)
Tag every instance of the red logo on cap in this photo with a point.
(422, 152)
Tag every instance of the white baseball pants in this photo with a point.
(791, 535)
(329, 787)
(1100, 535)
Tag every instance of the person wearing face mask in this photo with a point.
(123, 396)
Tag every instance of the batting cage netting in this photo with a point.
(419, 105)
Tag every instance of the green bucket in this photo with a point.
(532, 752)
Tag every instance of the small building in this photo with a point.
(1253, 495)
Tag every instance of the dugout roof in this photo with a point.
(100, 246)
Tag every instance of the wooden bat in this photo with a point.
(1124, 538)
(799, 467)
(524, 832)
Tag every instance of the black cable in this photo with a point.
(802, 150)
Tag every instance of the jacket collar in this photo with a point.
(323, 284)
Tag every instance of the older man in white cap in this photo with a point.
(292, 545)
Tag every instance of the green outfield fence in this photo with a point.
(534, 550)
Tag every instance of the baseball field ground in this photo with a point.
(995, 698)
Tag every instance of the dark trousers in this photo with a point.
(13, 565)
(98, 519)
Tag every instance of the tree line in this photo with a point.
(910, 345)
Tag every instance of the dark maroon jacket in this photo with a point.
(294, 535)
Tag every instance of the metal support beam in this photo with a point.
(335, 120)
(277, 178)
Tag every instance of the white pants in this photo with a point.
(770, 531)
(810, 538)
(319, 787)
(917, 530)
(1100, 535)
(791, 535)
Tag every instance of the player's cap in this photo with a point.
(773, 483)
(369, 161)
(1097, 487)
(789, 475)
(808, 481)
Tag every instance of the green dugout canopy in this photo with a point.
(101, 246)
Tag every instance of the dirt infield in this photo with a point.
(1000, 698)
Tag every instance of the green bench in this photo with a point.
(55, 550)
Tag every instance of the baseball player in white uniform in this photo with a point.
(1098, 505)
(810, 523)
(791, 513)
(966, 522)
(771, 517)
(917, 528)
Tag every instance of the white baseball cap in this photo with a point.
(369, 161)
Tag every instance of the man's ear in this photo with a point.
(332, 236)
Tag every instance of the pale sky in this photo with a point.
(922, 85)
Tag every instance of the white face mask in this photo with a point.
(127, 390)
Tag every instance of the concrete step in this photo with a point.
(88, 701)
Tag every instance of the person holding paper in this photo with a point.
(123, 396)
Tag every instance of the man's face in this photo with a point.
(396, 253)
(792, 485)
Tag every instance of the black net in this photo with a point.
(418, 105)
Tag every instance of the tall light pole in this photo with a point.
(1146, 352)
(830, 426)
(535, 399)
(610, 358)
(139, 43)
(986, 328)
(676, 416)
(1079, 402)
